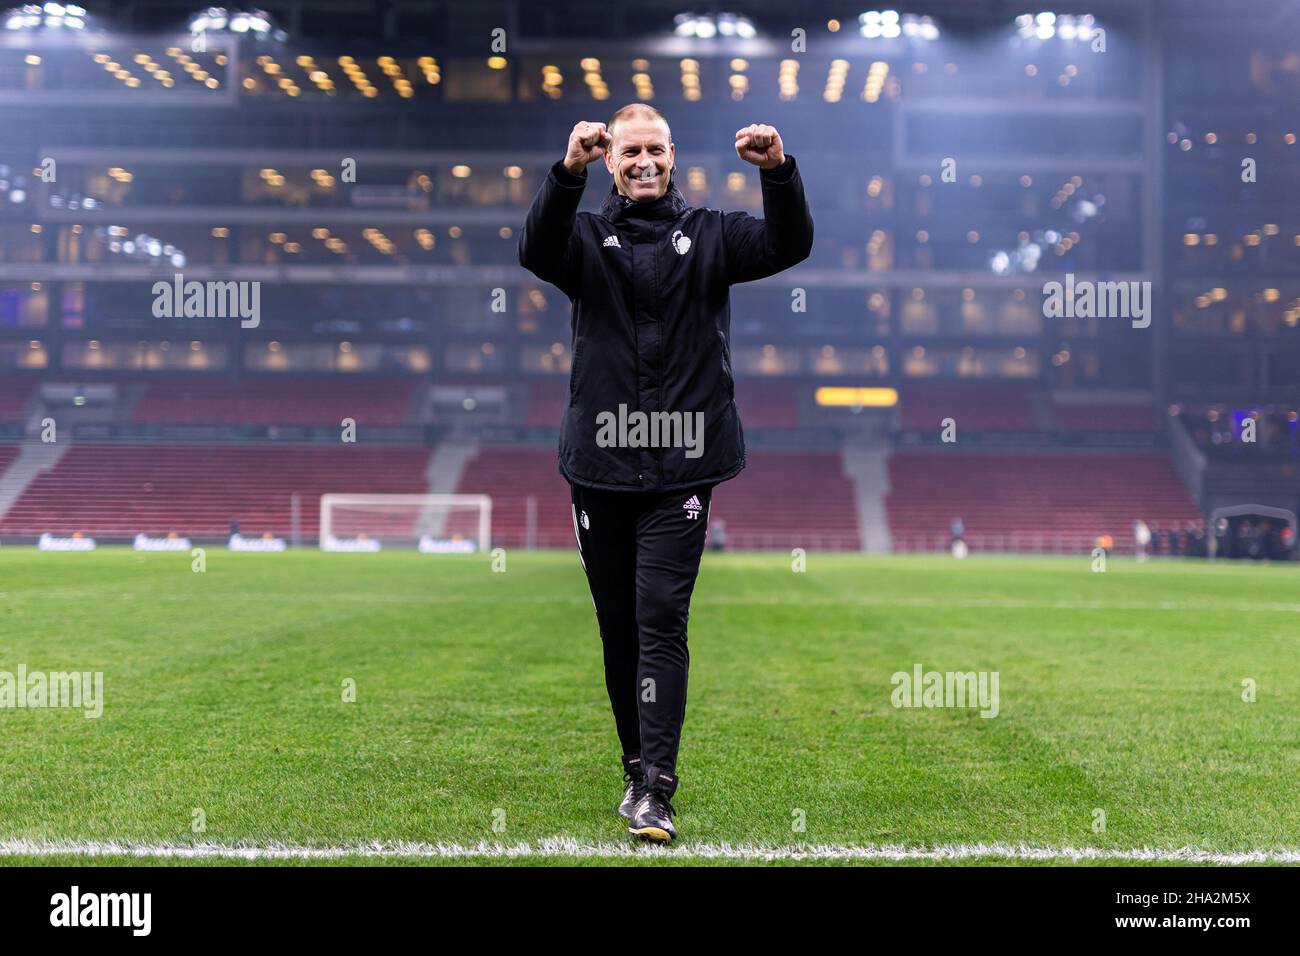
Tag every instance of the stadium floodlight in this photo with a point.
(142, 247)
(1025, 258)
(73, 201)
(880, 23)
(255, 23)
(1069, 27)
(433, 524)
(733, 25)
(707, 27)
(887, 24)
(1085, 210)
(1045, 25)
(49, 16)
(919, 27)
(13, 188)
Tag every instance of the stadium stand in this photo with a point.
(275, 401)
(14, 396)
(762, 404)
(120, 490)
(789, 499)
(768, 403)
(974, 406)
(762, 508)
(1048, 501)
(547, 400)
(510, 474)
(1103, 418)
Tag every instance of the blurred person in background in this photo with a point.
(1223, 539)
(718, 535)
(1247, 540)
(1141, 539)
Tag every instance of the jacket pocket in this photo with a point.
(726, 366)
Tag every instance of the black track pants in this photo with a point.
(641, 551)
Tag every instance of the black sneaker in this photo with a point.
(653, 817)
(635, 781)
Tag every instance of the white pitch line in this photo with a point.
(560, 846)
(365, 597)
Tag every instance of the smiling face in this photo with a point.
(641, 157)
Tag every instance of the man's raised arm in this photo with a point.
(549, 246)
(757, 248)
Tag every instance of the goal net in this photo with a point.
(435, 524)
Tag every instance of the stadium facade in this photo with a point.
(363, 180)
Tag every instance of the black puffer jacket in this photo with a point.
(651, 321)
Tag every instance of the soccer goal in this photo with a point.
(435, 524)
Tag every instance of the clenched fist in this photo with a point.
(760, 145)
(587, 143)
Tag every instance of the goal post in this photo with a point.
(432, 523)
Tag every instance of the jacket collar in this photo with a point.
(670, 205)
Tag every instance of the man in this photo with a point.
(652, 425)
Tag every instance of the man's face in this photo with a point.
(640, 157)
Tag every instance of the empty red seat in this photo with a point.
(275, 401)
(975, 406)
(196, 489)
(1104, 418)
(782, 500)
(1022, 501)
(15, 393)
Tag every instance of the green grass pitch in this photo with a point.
(481, 717)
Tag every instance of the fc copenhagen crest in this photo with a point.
(681, 243)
